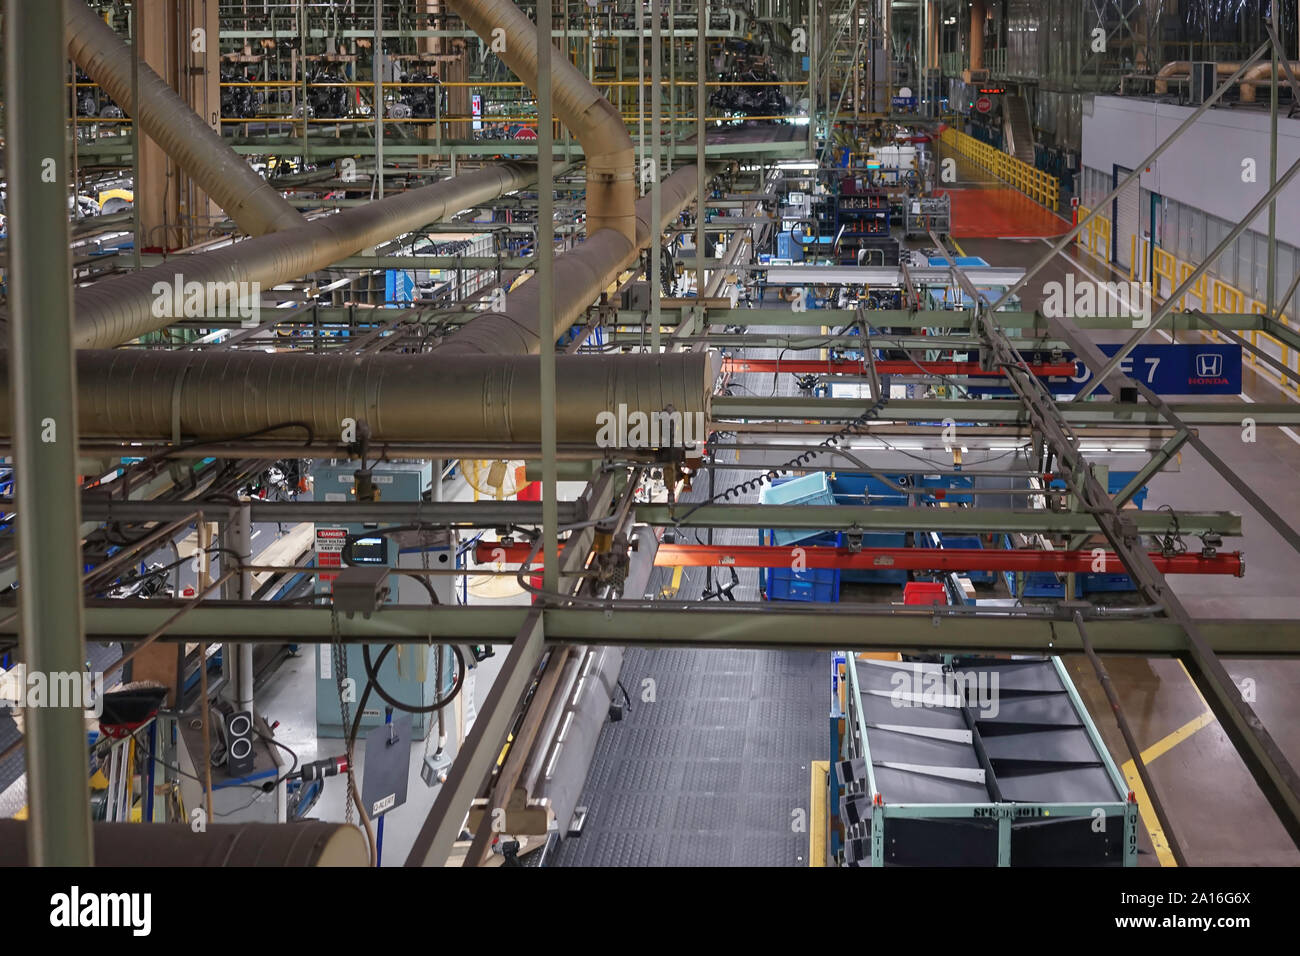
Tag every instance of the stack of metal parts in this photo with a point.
(977, 763)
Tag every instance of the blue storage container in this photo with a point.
(812, 584)
(1043, 584)
(1104, 583)
(811, 489)
(854, 485)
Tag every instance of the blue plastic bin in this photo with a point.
(812, 584)
(812, 489)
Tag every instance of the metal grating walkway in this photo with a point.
(716, 771)
(712, 772)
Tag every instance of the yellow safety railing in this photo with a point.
(1095, 236)
(1207, 294)
(1033, 182)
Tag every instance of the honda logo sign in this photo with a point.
(1209, 365)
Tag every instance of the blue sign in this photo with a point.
(1179, 369)
(399, 286)
(905, 102)
(1165, 369)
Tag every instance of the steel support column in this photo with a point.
(546, 281)
(479, 752)
(701, 108)
(654, 281)
(45, 427)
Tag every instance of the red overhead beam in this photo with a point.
(933, 559)
(893, 367)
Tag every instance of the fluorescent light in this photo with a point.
(806, 165)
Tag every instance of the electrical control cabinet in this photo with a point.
(409, 672)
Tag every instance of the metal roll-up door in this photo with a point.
(1126, 217)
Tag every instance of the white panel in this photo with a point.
(1198, 170)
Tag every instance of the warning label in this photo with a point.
(329, 552)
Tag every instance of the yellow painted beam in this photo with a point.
(819, 813)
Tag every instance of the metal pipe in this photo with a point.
(222, 173)
(120, 309)
(1267, 72)
(213, 395)
(45, 428)
(580, 278)
(606, 146)
(977, 18)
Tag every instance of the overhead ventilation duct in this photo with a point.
(1263, 73)
(580, 277)
(215, 395)
(118, 310)
(248, 199)
(606, 145)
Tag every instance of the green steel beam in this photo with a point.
(885, 518)
(43, 393)
(842, 626)
(995, 411)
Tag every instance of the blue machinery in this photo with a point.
(972, 762)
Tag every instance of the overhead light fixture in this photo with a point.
(808, 165)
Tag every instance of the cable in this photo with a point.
(372, 674)
(853, 427)
(186, 446)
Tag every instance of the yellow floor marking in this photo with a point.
(1160, 747)
(672, 589)
(1163, 853)
(819, 805)
(1167, 743)
(956, 245)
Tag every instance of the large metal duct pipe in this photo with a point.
(977, 21)
(1262, 72)
(222, 173)
(117, 310)
(580, 277)
(610, 158)
(215, 395)
(310, 843)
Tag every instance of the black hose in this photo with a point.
(372, 674)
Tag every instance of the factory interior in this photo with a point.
(887, 455)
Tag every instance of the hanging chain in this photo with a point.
(340, 653)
